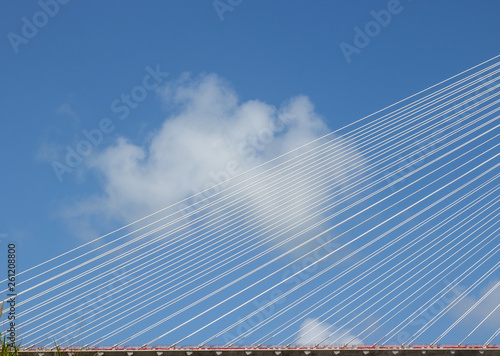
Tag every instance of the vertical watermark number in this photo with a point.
(11, 286)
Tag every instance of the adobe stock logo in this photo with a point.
(363, 37)
(31, 26)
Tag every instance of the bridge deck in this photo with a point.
(368, 351)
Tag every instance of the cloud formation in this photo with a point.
(210, 132)
(313, 331)
(482, 310)
(209, 137)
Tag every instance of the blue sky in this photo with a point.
(76, 68)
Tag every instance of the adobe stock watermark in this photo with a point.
(307, 264)
(363, 36)
(223, 6)
(121, 108)
(33, 24)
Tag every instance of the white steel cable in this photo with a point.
(255, 168)
(404, 300)
(492, 289)
(495, 334)
(343, 287)
(373, 296)
(373, 281)
(313, 263)
(395, 307)
(273, 301)
(449, 306)
(431, 162)
(389, 335)
(478, 325)
(365, 273)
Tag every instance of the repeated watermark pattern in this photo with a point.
(121, 108)
(364, 35)
(32, 25)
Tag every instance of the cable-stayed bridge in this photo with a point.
(379, 237)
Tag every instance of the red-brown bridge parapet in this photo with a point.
(361, 351)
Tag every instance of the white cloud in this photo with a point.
(209, 137)
(312, 332)
(481, 310)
